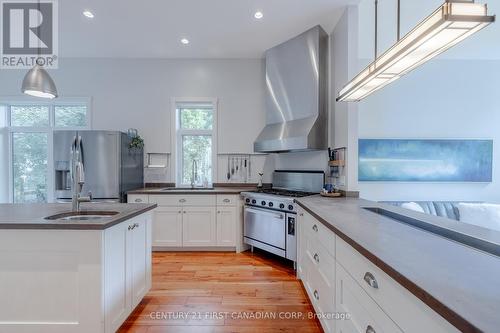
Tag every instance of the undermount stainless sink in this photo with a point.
(186, 189)
(82, 216)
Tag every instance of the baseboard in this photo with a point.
(194, 249)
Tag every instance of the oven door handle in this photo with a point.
(279, 216)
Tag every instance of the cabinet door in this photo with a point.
(226, 226)
(139, 258)
(198, 226)
(117, 297)
(167, 226)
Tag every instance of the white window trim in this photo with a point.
(17, 100)
(175, 170)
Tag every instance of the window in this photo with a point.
(195, 142)
(29, 131)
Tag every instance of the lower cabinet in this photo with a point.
(127, 269)
(364, 314)
(167, 226)
(200, 221)
(199, 226)
(316, 269)
(226, 226)
(358, 295)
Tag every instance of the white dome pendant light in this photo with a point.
(37, 82)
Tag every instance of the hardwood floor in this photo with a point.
(222, 292)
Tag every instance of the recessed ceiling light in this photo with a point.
(88, 13)
(258, 15)
(185, 41)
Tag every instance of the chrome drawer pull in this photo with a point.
(226, 200)
(129, 227)
(136, 225)
(370, 329)
(138, 200)
(370, 279)
(316, 295)
(182, 200)
(315, 228)
(316, 258)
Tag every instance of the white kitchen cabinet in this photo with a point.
(118, 300)
(127, 269)
(365, 315)
(335, 274)
(73, 281)
(226, 226)
(409, 313)
(195, 221)
(140, 263)
(137, 198)
(316, 267)
(199, 226)
(167, 226)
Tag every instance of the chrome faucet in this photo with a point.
(77, 175)
(194, 173)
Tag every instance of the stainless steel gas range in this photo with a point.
(270, 214)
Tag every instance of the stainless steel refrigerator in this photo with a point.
(111, 167)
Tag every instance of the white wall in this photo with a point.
(344, 116)
(454, 96)
(442, 99)
(136, 93)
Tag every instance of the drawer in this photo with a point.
(183, 200)
(137, 198)
(227, 200)
(320, 259)
(318, 232)
(364, 314)
(411, 314)
(321, 293)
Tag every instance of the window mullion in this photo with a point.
(52, 117)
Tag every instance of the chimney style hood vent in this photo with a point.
(296, 95)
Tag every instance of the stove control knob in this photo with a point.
(263, 203)
(282, 206)
(290, 207)
(271, 204)
(254, 201)
(247, 200)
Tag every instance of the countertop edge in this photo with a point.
(173, 192)
(216, 190)
(77, 226)
(448, 314)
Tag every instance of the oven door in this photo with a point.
(266, 227)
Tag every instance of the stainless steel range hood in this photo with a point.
(296, 95)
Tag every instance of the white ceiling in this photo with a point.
(215, 28)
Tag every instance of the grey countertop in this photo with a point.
(215, 190)
(457, 281)
(32, 216)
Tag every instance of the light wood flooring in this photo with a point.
(222, 292)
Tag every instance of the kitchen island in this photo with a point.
(405, 277)
(72, 275)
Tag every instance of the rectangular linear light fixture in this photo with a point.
(447, 26)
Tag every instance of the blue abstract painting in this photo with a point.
(425, 160)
